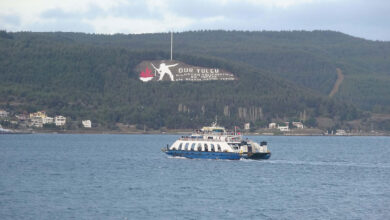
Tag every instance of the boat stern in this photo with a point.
(259, 156)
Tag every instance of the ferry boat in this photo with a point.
(215, 143)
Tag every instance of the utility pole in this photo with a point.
(171, 44)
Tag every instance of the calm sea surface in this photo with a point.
(45, 176)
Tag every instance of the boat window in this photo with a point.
(186, 146)
(206, 148)
(219, 148)
(180, 146)
(212, 148)
(192, 146)
(234, 146)
(199, 147)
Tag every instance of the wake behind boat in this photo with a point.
(215, 143)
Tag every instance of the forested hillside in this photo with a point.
(307, 58)
(281, 75)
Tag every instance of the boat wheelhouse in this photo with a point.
(215, 143)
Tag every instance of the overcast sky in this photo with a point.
(368, 19)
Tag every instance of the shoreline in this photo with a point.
(183, 132)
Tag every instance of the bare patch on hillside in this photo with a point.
(340, 78)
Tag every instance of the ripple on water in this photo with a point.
(128, 177)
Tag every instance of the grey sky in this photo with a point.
(362, 18)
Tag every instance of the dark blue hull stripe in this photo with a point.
(216, 155)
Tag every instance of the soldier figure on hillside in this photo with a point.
(164, 69)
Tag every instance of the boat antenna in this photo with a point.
(214, 124)
(171, 44)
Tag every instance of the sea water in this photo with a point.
(57, 176)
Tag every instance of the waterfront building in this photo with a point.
(22, 117)
(86, 123)
(36, 121)
(3, 114)
(283, 128)
(47, 120)
(60, 120)
(41, 114)
(298, 125)
(272, 125)
(340, 132)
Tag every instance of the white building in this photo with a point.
(47, 120)
(272, 125)
(283, 128)
(22, 117)
(298, 125)
(37, 121)
(86, 123)
(60, 120)
(3, 114)
(340, 132)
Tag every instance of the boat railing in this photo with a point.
(200, 132)
(201, 138)
(198, 139)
